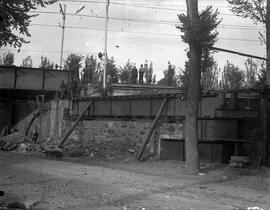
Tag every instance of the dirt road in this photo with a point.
(79, 185)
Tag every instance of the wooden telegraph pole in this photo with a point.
(105, 46)
(63, 26)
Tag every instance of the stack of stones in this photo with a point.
(239, 161)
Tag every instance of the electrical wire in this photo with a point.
(138, 32)
(147, 6)
(47, 51)
(154, 21)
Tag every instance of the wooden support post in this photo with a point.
(35, 116)
(147, 139)
(266, 129)
(75, 124)
(15, 78)
(43, 79)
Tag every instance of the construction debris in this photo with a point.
(11, 141)
(239, 161)
(54, 153)
(16, 205)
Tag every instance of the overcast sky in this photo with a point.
(142, 30)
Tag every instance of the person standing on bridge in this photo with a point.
(134, 75)
(141, 72)
(170, 74)
(63, 90)
(146, 70)
(149, 74)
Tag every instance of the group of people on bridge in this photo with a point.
(145, 74)
(142, 76)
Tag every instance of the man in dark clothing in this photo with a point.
(170, 74)
(64, 91)
(134, 75)
(74, 89)
(141, 72)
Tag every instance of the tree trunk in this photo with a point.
(266, 98)
(193, 96)
(267, 26)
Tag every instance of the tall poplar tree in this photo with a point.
(259, 12)
(199, 32)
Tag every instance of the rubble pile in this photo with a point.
(49, 143)
(19, 142)
(110, 149)
(12, 141)
(50, 149)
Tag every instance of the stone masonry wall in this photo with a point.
(109, 137)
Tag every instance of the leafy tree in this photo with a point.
(46, 63)
(112, 70)
(73, 63)
(184, 77)
(125, 72)
(154, 79)
(124, 75)
(164, 80)
(199, 31)
(15, 20)
(7, 59)
(27, 62)
(232, 77)
(89, 70)
(261, 74)
(251, 73)
(209, 79)
(209, 76)
(259, 12)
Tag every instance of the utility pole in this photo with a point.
(267, 27)
(105, 46)
(63, 12)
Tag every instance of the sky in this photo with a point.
(138, 30)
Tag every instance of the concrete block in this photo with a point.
(240, 159)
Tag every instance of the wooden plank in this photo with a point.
(147, 139)
(75, 124)
(43, 79)
(225, 140)
(15, 78)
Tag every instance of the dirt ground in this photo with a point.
(83, 183)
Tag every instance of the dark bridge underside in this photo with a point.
(14, 95)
